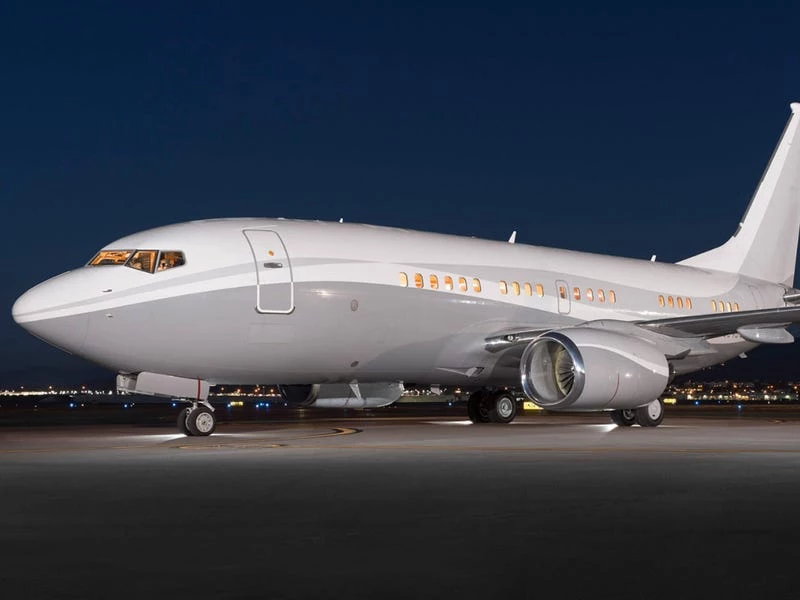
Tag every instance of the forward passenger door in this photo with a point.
(274, 280)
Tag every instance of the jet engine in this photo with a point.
(342, 395)
(590, 369)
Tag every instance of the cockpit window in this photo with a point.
(148, 261)
(110, 257)
(170, 259)
(143, 260)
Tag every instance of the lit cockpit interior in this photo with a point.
(149, 261)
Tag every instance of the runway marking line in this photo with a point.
(337, 431)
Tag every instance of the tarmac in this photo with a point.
(389, 505)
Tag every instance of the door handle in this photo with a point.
(273, 265)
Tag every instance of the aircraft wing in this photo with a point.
(679, 335)
(713, 325)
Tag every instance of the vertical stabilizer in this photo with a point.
(765, 243)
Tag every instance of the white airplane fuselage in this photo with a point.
(298, 302)
(335, 312)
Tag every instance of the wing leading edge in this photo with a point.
(676, 336)
(747, 323)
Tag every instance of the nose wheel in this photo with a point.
(197, 420)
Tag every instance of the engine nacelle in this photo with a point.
(342, 395)
(591, 369)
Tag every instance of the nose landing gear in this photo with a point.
(198, 419)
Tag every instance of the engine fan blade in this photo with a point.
(565, 371)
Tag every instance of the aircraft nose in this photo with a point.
(28, 304)
(38, 311)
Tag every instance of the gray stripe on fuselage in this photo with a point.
(394, 334)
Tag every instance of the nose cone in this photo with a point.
(42, 312)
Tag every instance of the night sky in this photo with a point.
(629, 130)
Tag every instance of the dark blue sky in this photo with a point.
(624, 129)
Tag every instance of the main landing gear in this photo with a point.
(486, 406)
(649, 415)
(198, 419)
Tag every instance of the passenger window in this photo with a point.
(680, 302)
(434, 282)
(720, 306)
(143, 260)
(462, 284)
(476, 284)
(713, 306)
(170, 259)
(403, 279)
(515, 287)
(503, 288)
(562, 292)
(612, 297)
(689, 303)
(528, 289)
(670, 302)
(601, 295)
(589, 294)
(576, 293)
(735, 307)
(110, 257)
(661, 300)
(418, 280)
(539, 290)
(448, 283)
(728, 306)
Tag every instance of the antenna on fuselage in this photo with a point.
(341, 220)
(653, 258)
(513, 237)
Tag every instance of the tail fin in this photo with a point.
(765, 243)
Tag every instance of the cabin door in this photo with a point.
(562, 293)
(274, 281)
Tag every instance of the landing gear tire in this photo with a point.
(182, 427)
(201, 421)
(650, 415)
(477, 407)
(624, 417)
(503, 408)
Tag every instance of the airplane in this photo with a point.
(351, 315)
